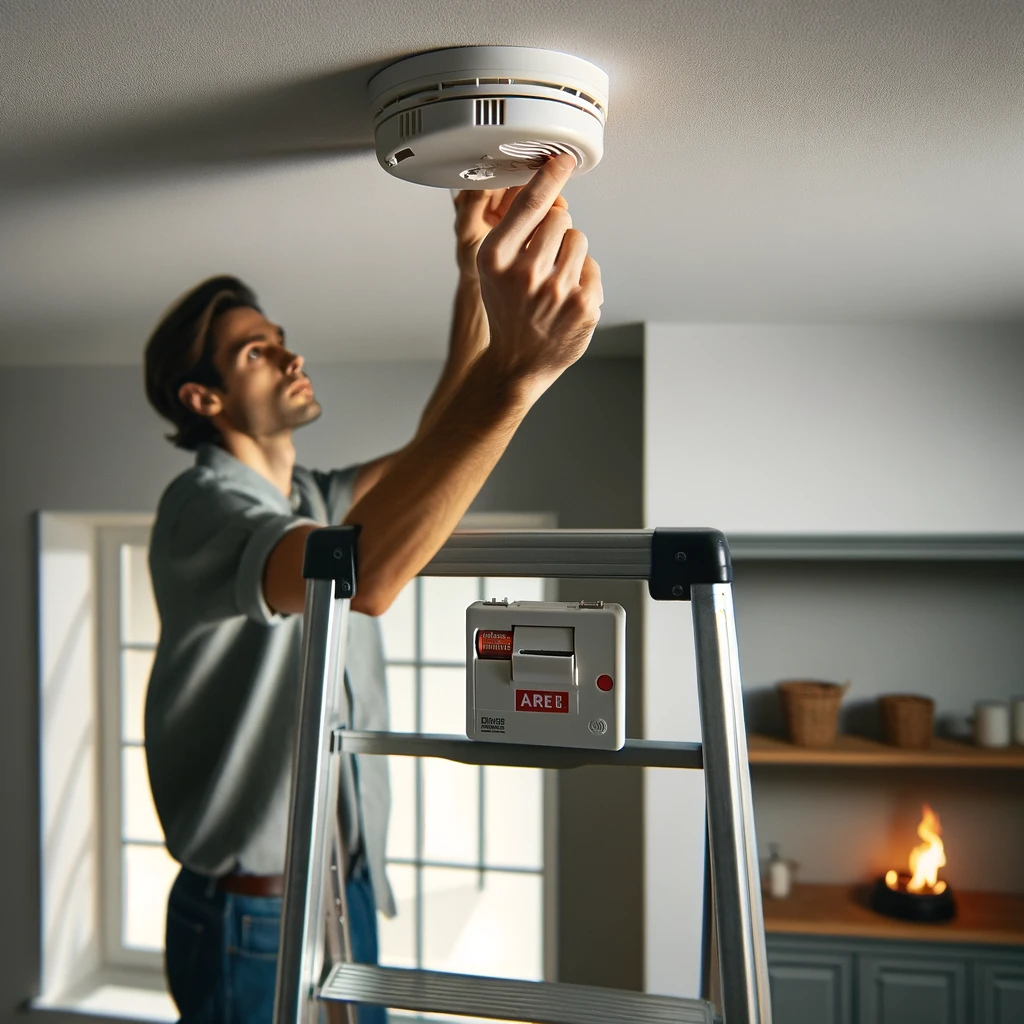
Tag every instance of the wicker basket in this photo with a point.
(811, 709)
(907, 720)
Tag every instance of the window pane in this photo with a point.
(397, 937)
(402, 829)
(445, 600)
(135, 669)
(149, 872)
(514, 589)
(444, 700)
(450, 811)
(399, 626)
(138, 815)
(402, 698)
(495, 930)
(139, 621)
(514, 817)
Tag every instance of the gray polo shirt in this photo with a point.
(224, 692)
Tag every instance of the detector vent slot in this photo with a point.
(490, 112)
(410, 123)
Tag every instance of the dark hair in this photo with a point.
(180, 351)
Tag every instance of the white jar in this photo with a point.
(992, 723)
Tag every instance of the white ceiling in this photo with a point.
(801, 160)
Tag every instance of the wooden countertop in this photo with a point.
(842, 910)
(858, 751)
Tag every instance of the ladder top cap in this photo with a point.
(682, 558)
(330, 554)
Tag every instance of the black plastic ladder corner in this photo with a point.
(682, 558)
(331, 555)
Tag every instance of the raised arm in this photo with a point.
(542, 295)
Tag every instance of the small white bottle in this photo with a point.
(780, 876)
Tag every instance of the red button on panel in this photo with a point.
(604, 683)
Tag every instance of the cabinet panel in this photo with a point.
(810, 989)
(912, 991)
(1000, 993)
(810, 983)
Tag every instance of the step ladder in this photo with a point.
(679, 565)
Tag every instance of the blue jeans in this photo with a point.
(221, 950)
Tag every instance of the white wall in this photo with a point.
(803, 430)
(828, 429)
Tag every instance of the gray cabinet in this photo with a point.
(1000, 992)
(824, 980)
(811, 988)
(925, 989)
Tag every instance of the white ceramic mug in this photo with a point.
(992, 723)
(1018, 720)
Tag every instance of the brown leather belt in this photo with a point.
(252, 885)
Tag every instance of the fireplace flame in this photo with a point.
(928, 857)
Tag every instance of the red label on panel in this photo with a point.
(553, 702)
(495, 644)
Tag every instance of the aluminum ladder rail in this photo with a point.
(679, 565)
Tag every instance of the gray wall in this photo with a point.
(948, 630)
(84, 440)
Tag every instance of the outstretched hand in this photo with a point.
(540, 287)
(476, 212)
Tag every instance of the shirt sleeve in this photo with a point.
(337, 487)
(219, 543)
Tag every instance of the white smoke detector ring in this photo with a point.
(487, 116)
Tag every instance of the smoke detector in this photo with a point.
(487, 116)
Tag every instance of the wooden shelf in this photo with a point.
(842, 910)
(858, 751)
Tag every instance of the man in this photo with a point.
(226, 557)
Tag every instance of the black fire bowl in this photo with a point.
(912, 906)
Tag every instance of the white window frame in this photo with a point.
(110, 623)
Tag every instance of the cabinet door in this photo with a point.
(810, 988)
(912, 990)
(1000, 993)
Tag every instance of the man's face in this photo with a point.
(265, 392)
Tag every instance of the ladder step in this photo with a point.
(636, 753)
(539, 1002)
